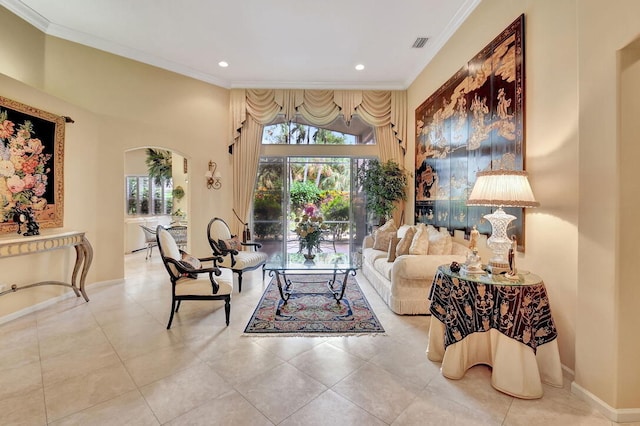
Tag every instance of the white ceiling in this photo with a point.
(267, 43)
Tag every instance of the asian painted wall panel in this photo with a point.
(474, 122)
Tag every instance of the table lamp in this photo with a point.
(501, 188)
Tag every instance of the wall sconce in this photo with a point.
(213, 177)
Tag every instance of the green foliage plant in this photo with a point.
(384, 184)
(158, 163)
(303, 193)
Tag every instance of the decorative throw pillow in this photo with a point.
(440, 243)
(405, 241)
(391, 254)
(420, 243)
(383, 235)
(230, 244)
(190, 262)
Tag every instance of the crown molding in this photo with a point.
(26, 13)
(439, 42)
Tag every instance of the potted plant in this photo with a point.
(384, 184)
(178, 193)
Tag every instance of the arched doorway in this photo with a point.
(149, 200)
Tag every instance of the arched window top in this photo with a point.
(300, 132)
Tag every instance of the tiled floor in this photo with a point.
(112, 362)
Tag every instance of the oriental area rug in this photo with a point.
(312, 311)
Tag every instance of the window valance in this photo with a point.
(378, 108)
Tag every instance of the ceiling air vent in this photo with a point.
(420, 42)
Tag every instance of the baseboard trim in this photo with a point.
(34, 308)
(618, 415)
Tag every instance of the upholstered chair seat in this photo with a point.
(232, 251)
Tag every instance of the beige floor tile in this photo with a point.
(551, 412)
(130, 409)
(327, 364)
(407, 361)
(75, 363)
(124, 313)
(280, 392)
(81, 392)
(23, 409)
(364, 347)
(431, 409)
(144, 341)
(18, 352)
(74, 319)
(183, 391)
(216, 345)
(378, 392)
(20, 380)
(228, 409)
(209, 324)
(55, 345)
(289, 346)
(163, 362)
(330, 409)
(240, 365)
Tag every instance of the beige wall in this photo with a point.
(629, 293)
(578, 240)
(607, 341)
(117, 105)
(23, 56)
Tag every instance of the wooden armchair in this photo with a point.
(230, 249)
(184, 271)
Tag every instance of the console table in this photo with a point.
(21, 246)
(490, 319)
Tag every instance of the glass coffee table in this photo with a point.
(338, 265)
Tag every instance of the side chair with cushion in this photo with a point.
(184, 271)
(230, 248)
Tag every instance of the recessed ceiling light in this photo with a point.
(359, 67)
(223, 64)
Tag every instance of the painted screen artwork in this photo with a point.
(474, 122)
(31, 165)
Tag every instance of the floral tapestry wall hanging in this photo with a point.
(31, 164)
(473, 122)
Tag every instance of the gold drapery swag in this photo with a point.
(252, 109)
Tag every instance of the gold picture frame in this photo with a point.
(31, 164)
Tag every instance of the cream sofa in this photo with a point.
(404, 284)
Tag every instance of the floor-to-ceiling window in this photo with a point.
(307, 167)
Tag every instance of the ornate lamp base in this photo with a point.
(499, 242)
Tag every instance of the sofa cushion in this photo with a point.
(405, 241)
(370, 255)
(420, 243)
(384, 234)
(383, 267)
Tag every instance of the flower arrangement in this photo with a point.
(309, 229)
(23, 167)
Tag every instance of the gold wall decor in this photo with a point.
(473, 122)
(31, 164)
